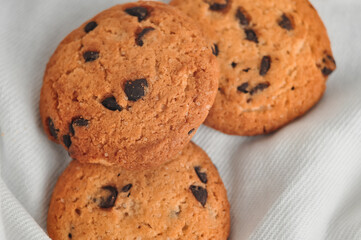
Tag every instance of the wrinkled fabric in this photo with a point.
(301, 182)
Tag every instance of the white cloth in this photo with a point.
(302, 182)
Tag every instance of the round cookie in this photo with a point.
(130, 86)
(182, 199)
(274, 57)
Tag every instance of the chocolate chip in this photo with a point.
(140, 12)
(260, 87)
(200, 194)
(234, 64)
(53, 131)
(251, 35)
(71, 129)
(90, 26)
(215, 50)
(135, 90)
(191, 131)
(292, 88)
(90, 56)
(111, 104)
(246, 69)
(326, 71)
(218, 6)
(78, 211)
(265, 65)
(201, 175)
(241, 16)
(243, 87)
(67, 141)
(285, 23)
(70, 236)
(139, 40)
(110, 200)
(331, 59)
(80, 122)
(328, 66)
(127, 187)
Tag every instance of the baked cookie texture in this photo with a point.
(275, 57)
(130, 86)
(182, 199)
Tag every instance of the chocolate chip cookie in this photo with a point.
(182, 199)
(275, 58)
(130, 86)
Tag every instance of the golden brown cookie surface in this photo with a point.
(182, 199)
(129, 87)
(274, 56)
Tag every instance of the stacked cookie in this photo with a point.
(181, 199)
(124, 94)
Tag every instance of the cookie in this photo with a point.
(274, 56)
(182, 199)
(130, 86)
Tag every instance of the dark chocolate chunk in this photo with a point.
(90, 56)
(218, 6)
(201, 175)
(53, 131)
(90, 26)
(70, 236)
(259, 87)
(67, 141)
(140, 12)
(127, 187)
(326, 71)
(292, 88)
(80, 122)
(246, 69)
(243, 87)
(111, 104)
(71, 129)
(265, 65)
(241, 16)
(331, 59)
(139, 38)
(234, 64)
(285, 23)
(328, 66)
(191, 131)
(251, 35)
(215, 50)
(200, 194)
(78, 211)
(136, 89)
(110, 200)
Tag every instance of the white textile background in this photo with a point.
(302, 182)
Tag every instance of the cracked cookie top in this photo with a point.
(182, 199)
(129, 86)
